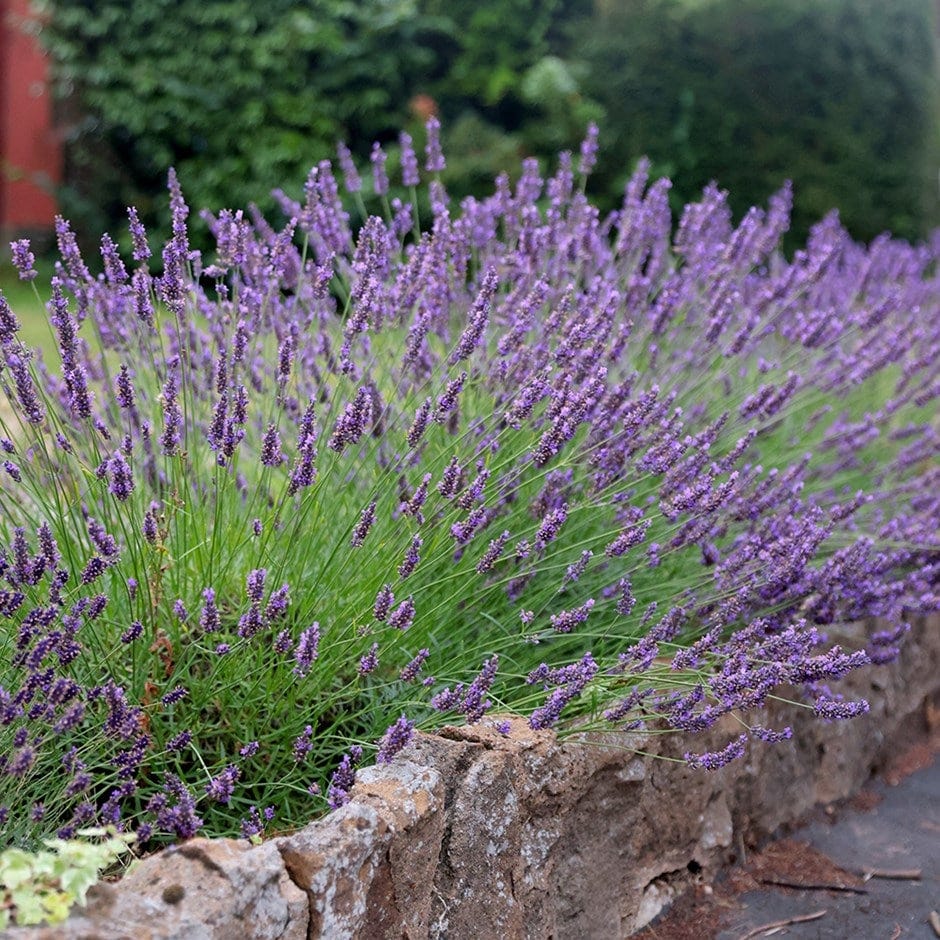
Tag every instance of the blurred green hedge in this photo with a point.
(837, 95)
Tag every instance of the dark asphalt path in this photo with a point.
(901, 832)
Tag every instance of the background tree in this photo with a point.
(839, 96)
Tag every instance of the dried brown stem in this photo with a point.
(802, 886)
(777, 924)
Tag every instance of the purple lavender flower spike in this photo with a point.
(221, 787)
(420, 423)
(172, 417)
(254, 585)
(271, 453)
(369, 662)
(714, 760)
(133, 632)
(412, 506)
(402, 617)
(435, 162)
(362, 527)
(18, 364)
(120, 477)
(589, 148)
(411, 559)
(23, 259)
(447, 402)
(174, 696)
(379, 176)
(830, 709)
(409, 161)
(343, 778)
(383, 602)
(478, 318)
(395, 739)
(303, 744)
(550, 526)
(347, 165)
(307, 649)
(352, 423)
(9, 325)
(493, 551)
(569, 682)
(567, 620)
(410, 672)
(141, 251)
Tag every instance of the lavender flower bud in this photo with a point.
(411, 559)
(395, 739)
(303, 744)
(413, 506)
(254, 585)
(271, 454)
(565, 621)
(383, 602)
(409, 161)
(143, 303)
(121, 482)
(174, 696)
(352, 423)
(478, 318)
(172, 417)
(133, 632)
(588, 150)
(448, 401)
(209, 618)
(23, 259)
(9, 325)
(492, 553)
(831, 710)
(350, 174)
(420, 423)
(369, 662)
(550, 526)
(403, 616)
(221, 787)
(379, 176)
(125, 389)
(138, 235)
(362, 527)
(343, 778)
(716, 759)
(306, 651)
(434, 156)
(411, 670)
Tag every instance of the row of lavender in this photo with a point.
(266, 512)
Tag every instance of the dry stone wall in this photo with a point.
(472, 834)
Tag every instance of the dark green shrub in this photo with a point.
(239, 96)
(837, 96)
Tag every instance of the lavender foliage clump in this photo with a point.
(626, 469)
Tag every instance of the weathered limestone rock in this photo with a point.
(205, 889)
(475, 834)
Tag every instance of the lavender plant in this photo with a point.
(272, 509)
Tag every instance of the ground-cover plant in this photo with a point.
(43, 886)
(275, 508)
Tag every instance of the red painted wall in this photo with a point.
(30, 155)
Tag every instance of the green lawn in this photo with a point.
(34, 328)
